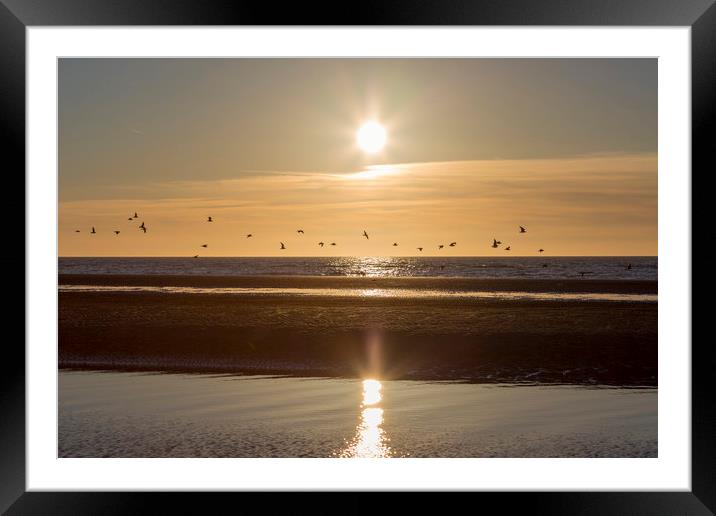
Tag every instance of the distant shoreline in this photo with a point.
(321, 257)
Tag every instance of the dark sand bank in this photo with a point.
(453, 284)
(478, 340)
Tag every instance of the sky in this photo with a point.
(475, 148)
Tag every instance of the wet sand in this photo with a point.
(472, 340)
(352, 282)
(175, 415)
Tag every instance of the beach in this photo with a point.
(356, 326)
(169, 364)
(177, 415)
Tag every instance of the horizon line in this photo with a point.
(383, 256)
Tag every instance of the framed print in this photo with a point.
(431, 248)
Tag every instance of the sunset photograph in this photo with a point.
(357, 257)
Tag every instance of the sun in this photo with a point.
(371, 137)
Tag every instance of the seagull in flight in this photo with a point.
(283, 246)
(541, 250)
(333, 243)
(77, 230)
(143, 229)
(453, 244)
(507, 248)
(116, 232)
(440, 246)
(365, 234)
(300, 231)
(495, 243)
(141, 226)
(130, 218)
(196, 256)
(419, 249)
(395, 244)
(204, 245)
(321, 244)
(522, 229)
(93, 231)
(249, 235)
(135, 215)
(210, 219)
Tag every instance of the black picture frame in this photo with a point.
(17, 15)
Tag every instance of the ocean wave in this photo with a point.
(642, 268)
(369, 293)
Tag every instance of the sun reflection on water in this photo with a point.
(372, 266)
(371, 392)
(370, 440)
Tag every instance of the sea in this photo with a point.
(591, 267)
(168, 413)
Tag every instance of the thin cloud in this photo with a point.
(580, 205)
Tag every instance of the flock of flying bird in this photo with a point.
(142, 227)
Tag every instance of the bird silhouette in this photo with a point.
(210, 219)
(141, 226)
(419, 249)
(522, 230)
(130, 218)
(135, 215)
(321, 244)
(300, 231)
(365, 234)
(507, 248)
(495, 243)
(333, 243)
(116, 232)
(440, 246)
(196, 256)
(93, 231)
(541, 250)
(283, 246)
(453, 244)
(628, 267)
(249, 235)
(204, 245)
(395, 244)
(143, 229)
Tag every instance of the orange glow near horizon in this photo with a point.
(591, 205)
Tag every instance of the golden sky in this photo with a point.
(476, 148)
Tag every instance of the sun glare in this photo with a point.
(371, 392)
(373, 172)
(370, 440)
(371, 137)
